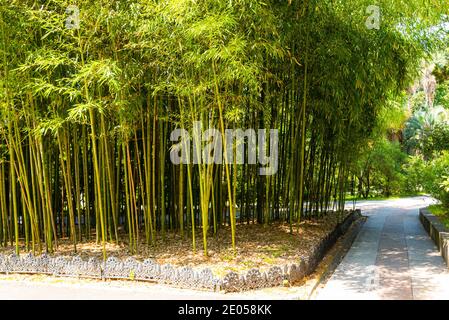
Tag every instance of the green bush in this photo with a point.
(415, 171)
(435, 180)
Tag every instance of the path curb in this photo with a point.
(346, 240)
(437, 231)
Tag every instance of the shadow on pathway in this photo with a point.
(391, 258)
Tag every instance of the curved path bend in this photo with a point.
(392, 257)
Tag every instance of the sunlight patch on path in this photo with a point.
(391, 258)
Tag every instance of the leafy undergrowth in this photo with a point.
(257, 246)
(441, 212)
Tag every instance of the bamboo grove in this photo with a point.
(86, 114)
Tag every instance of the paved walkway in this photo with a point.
(391, 258)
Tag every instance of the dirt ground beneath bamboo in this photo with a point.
(257, 246)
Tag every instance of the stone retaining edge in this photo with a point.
(347, 240)
(327, 243)
(437, 231)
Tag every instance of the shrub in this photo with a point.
(415, 171)
(436, 180)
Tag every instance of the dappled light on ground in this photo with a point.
(392, 257)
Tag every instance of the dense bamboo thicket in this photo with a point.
(86, 113)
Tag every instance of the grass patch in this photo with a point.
(441, 212)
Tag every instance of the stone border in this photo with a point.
(292, 273)
(184, 277)
(437, 231)
(337, 255)
(112, 268)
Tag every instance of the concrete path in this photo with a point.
(391, 258)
